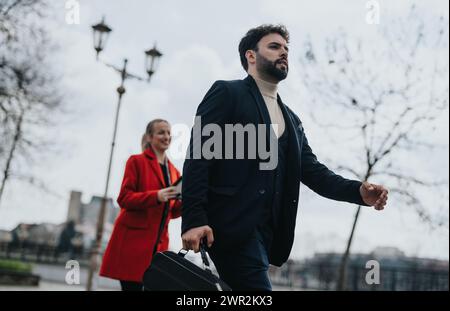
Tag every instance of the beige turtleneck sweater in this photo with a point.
(269, 93)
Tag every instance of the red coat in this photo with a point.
(129, 251)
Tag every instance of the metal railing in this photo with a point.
(324, 276)
(43, 253)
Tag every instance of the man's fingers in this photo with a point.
(191, 244)
(196, 246)
(380, 205)
(377, 193)
(210, 237)
(191, 239)
(185, 245)
(185, 242)
(382, 199)
(382, 192)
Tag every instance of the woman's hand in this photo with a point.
(166, 194)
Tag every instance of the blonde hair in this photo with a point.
(144, 143)
(151, 125)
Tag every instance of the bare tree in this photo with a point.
(29, 95)
(388, 93)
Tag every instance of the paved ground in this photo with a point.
(53, 279)
(47, 286)
(52, 286)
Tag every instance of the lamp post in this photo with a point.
(101, 32)
(152, 61)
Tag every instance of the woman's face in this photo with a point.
(160, 138)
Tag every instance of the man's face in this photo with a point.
(272, 57)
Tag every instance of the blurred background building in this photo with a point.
(398, 272)
(85, 217)
(54, 242)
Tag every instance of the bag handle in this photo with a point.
(183, 252)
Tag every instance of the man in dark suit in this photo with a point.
(244, 206)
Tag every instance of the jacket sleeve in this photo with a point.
(323, 181)
(129, 198)
(214, 109)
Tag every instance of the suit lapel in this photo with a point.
(261, 105)
(293, 137)
(259, 100)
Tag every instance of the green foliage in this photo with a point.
(15, 265)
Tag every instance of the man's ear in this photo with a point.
(250, 55)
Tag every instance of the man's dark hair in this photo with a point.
(252, 37)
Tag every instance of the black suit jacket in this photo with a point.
(229, 194)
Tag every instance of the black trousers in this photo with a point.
(245, 267)
(131, 286)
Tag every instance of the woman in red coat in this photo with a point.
(143, 195)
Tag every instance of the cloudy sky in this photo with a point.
(199, 41)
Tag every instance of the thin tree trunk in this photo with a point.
(343, 268)
(11, 153)
(342, 281)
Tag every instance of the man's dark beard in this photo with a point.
(266, 67)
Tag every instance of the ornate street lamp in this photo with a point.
(101, 33)
(152, 61)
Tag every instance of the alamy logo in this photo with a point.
(373, 275)
(213, 141)
(73, 275)
(72, 12)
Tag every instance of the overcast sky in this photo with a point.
(199, 41)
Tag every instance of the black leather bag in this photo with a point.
(170, 271)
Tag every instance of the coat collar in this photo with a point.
(290, 126)
(259, 100)
(264, 114)
(261, 105)
(150, 154)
